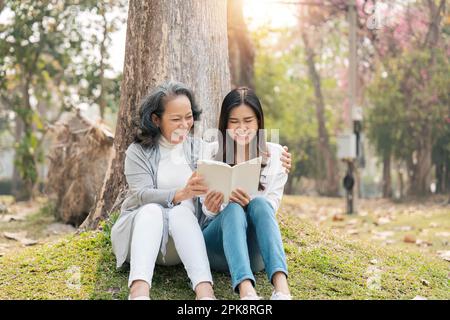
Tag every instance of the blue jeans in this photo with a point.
(243, 242)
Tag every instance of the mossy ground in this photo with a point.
(322, 265)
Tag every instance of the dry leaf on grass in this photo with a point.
(338, 217)
(444, 254)
(409, 238)
(21, 237)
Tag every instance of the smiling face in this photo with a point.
(176, 120)
(242, 124)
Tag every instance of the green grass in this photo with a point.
(322, 265)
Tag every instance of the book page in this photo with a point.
(217, 176)
(246, 176)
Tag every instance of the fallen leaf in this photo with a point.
(362, 213)
(352, 231)
(381, 235)
(382, 220)
(434, 225)
(423, 243)
(11, 217)
(338, 217)
(444, 254)
(21, 237)
(425, 282)
(443, 234)
(409, 239)
(403, 228)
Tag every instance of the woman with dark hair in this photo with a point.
(243, 236)
(158, 220)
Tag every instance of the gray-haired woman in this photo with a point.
(158, 221)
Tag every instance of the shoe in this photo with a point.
(251, 296)
(139, 298)
(276, 295)
(207, 298)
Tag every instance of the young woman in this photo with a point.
(158, 222)
(243, 236)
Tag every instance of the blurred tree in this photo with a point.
(311, 20)
(412, 72)
(100, 88)
(42, 54)
(188, 46)
(287, 94)
(240, 48)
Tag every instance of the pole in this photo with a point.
(352, 90)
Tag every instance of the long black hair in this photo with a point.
(227, 146)
(154, 103)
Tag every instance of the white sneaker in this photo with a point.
(251, 296)
(276, 295)
(207, 298)
(139, 298)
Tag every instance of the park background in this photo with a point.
(72, 74)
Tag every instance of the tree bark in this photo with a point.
(17, 183)
(183, 40)
(240, 47)
(421, 176)
(329, 162)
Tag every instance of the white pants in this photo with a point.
(186, 242)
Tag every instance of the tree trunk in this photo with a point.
(24, 155)
(421, 178)
(401, 184)
(332, 187)
(440, 177)
(420, 184)
(387, 185)
(101, 98)
(240, 47)
(290, 185)
(166, 40)
(17, 183)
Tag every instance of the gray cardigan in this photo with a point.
(141, 169)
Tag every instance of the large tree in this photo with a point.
(166, 40)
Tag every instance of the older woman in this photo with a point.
(159, 220)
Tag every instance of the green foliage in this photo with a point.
(409, 99)
(322, 265)
(287, 95)
(46, 60)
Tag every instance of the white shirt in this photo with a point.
(173, 169)
(273, 176)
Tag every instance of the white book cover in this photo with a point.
(220, 176)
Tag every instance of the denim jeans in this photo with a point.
(245, 241)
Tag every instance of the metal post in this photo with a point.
(352, 89)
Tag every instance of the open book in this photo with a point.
(221, 177)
